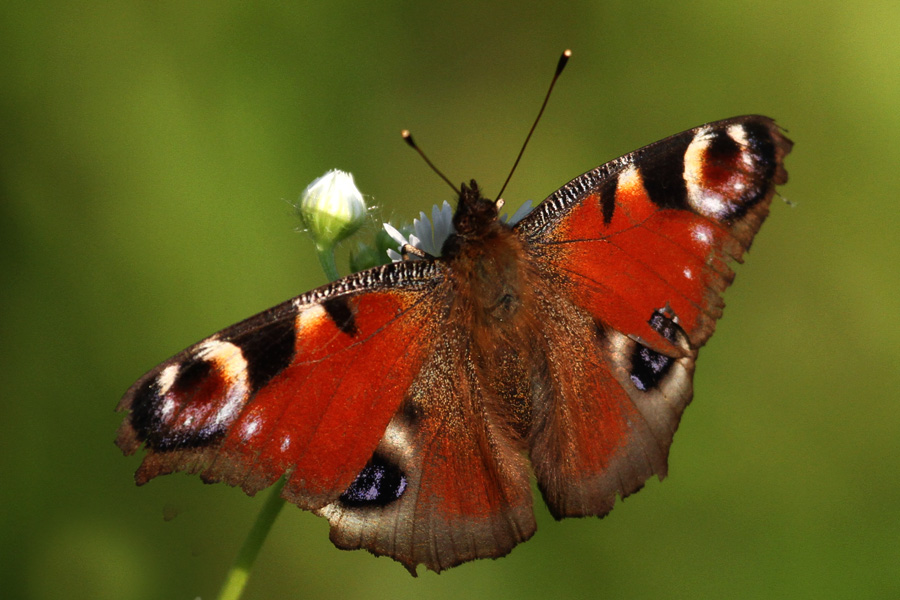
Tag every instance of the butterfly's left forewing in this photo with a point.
(638, 252)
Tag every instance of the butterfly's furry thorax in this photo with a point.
(486, 260)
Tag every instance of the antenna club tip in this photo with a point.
(407, 137)
(567, 53)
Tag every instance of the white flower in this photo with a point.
(520, 214)
(425, 237)
(430, 238)
(332, 208)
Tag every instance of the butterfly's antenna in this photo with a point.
(559, 69)
(407, 136)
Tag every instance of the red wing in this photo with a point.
(659, 226)
(609, 410)
(636, 253)
(448, 483)
(306, 388)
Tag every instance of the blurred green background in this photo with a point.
(148, 155)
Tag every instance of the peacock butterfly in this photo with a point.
(409, 404)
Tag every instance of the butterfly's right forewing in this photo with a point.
(304, 389)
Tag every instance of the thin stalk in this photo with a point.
(239, 573)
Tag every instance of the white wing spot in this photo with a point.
(228, 360)
(249, 428)
(166, 378)
(168, 407)
(738, 134)
(309, 315)
(701, 234)
(630, 180)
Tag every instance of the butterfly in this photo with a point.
(412, 403)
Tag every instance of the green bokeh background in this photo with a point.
(148, 154)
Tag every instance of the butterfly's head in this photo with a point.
(475, 215)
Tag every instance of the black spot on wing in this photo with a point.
(165, 440)
(759, 137)
(662, 171)
(649, 367)
(600, 332)
(339, 311)
(378, 484)
(722, 147)
(144, 405)
(762, 146)
(190, 374)
(608, 199)
(268, 350)
(412, 412)
(153, 427)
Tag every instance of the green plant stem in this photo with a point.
(326, 259)
(239, 573)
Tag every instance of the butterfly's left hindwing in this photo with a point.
(305, 389)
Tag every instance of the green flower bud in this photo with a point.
(331, 208)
